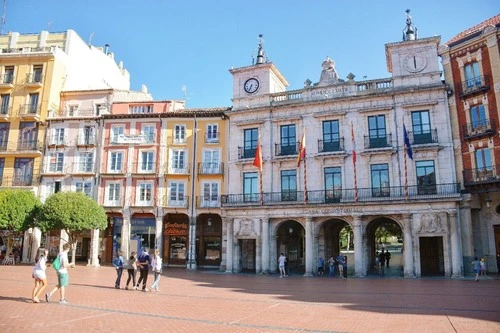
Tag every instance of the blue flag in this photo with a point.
(407, 143)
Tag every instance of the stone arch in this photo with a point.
(289, 236)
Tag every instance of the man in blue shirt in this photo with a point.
(118, 263)
(143, 263)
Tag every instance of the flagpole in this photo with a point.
(305, 181)
(406, 174)
(354, 164)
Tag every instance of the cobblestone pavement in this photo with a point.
(204, 301)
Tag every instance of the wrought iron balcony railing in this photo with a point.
(423, 137)
(384, 194)
(145, 167)
(29, 110)
(212, 137)
(286, 149)
(7, 78)
(480, 128)
(330, 146)
(34, 78)
(180, 201)
(484, 175)
(29, 145)
(246, 152)
(19, 181)
(379, 141)
(475, 85)
(210, 168)
(208, 201)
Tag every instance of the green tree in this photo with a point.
(18, 209)
(73, 212)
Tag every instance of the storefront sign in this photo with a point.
(174, 229)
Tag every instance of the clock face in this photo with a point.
(251, 85)
(414, 63)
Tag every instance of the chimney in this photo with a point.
(106, 48)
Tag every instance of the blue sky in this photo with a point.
(169, 44)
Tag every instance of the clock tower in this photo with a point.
(253, 84)
(413, 57)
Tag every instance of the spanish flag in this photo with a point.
(258, 156)
(302, 148)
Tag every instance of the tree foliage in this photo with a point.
(73, 212)
(18, 209)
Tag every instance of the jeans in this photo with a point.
(119, 272)
(332, 270)
(131, 276)
(157, 280)
(143, 277)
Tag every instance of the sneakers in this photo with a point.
(145, 289)
(47, 297)
(117, 287)
(63, 301)
(135, 288)
(126, 288)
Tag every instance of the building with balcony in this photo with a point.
(162, 174)
(334, 161)
(471, 62)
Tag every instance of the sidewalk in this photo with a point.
(205, 301)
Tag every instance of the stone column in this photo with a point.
(159, 234)
(409, 268)
(94, 248)
(265, 245)
(359, 270)
(229, 248)
(309, 246)
(467, 233)
(273, 266)
(456, 253)
(125, 239)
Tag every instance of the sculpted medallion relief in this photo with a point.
(430, 223)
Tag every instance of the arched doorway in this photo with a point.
(291, 242)
(336, 237)
(385, 247)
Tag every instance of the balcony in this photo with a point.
(286, 150)
(331, 146)
(178, 169)
(211, 168)
(246, 152)
(57, 142)
(20, 147)
(385, 194)
(81, 169)
(479, 129)
(179, 201)
(209, 201)
(21, 181)
(73, 113)
(86, 140)
(379, 141)
(116, 171)
(6, 80)
(479, 176)
(423, 137)
(477, 85)
(54, 169)
(144, 168)
(34, 80)
(29, 146)
(212, 137)
(29, 112)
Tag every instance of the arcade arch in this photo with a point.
(384, 234)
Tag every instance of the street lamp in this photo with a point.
(30, 239)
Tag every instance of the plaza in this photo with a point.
(210, 301)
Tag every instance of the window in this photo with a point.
(33, 105)
(137, 109)
(289, 185)
(213, 133)
(177, 195)
(210, 194)
(51, 188)
(2, 164)
(148, 133)
(211, 161)
(250, 189)
(179, 134)
(8, 76)
(56, 162)
(28, 134)
(179, 161)
(380, 180)
(251, 137)
(333, 184)
(331, 136)
(72, 110)
(100, 108)
(23, 171)
(426, 177)
(113, 197)
(84, 187)
(288, 142)
(377, 133)
(115, 162)
(86, 162)
(478, 117)
(57, 136)
(145, 194)
(472, 75)
(88, 135)
(4, 107)
(116, 133)
(421, 125)
(37, 73)
(484, 169)
(147, 161)
(4, 135)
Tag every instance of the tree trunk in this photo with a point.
(73, 252)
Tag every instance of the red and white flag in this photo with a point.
(258, 156)
(302, 148)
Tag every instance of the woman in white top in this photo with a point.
(156, 265)
(39, 274)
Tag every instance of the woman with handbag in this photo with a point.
(156, 265)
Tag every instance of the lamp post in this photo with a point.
(30, 244)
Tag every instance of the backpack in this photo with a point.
(56, 264)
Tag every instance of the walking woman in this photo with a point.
(156, 265)
(39, 274)
(132, 270)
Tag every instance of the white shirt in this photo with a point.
(63, 257)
